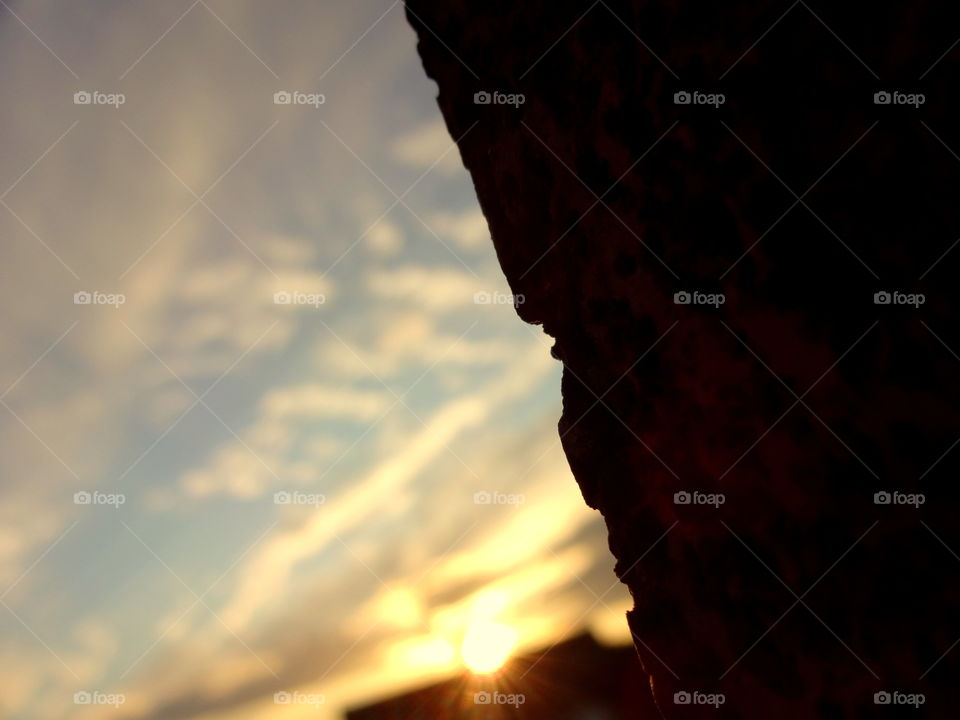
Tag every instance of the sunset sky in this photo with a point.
(381, 400)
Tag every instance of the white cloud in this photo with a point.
(313, 400)
(402, 634)
(438, 289)
(262, 458)
(426, 145)
(468, 229)
(407, 341)
(385, 239)
(274, 562)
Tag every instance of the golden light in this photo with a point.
(487, 645)
(425, 653)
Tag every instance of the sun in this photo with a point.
(487, 645)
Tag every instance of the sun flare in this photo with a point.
(487, 645)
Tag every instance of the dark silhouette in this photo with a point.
(575, 680)
(738, 222)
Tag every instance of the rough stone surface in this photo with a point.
(799, 398)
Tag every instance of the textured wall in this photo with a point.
(799, 398)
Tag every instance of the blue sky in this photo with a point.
(381, 400)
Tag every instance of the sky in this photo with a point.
(268, 420)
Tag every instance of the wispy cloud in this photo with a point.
(286, 326)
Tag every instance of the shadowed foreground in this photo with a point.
(737, 222)
(575, 680)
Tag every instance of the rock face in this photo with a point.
(815, 408)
